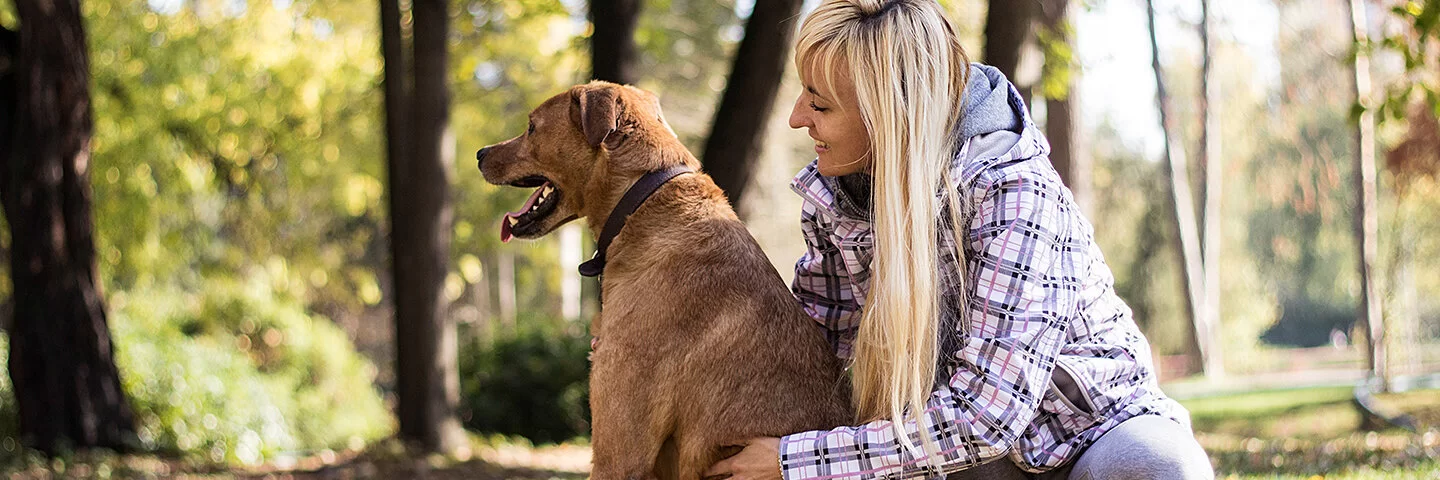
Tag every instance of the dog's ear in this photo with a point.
(597, 111)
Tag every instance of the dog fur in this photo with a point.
(700, 344)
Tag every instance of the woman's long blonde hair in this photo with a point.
(909, 72)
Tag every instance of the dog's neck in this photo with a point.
(634, 197)
(606, 188)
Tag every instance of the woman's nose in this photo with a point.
(798, 117)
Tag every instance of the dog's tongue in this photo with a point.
(509, 221)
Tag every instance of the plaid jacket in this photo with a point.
(1041, 298)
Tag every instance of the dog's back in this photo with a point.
(744, 360)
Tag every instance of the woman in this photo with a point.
(1011, 341)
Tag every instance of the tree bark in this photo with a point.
(62, 365)
(9, 56)
(1061, 118)
(739, 126)
(1366, 224)
(421, 214)
(1181, 201)
(1208, 329)
(613, 54)
(396, 80)
(1007, 26)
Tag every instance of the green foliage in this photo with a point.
(239, 375)
(227, 137)
(530, 381)
(1417, 41)
(1135, 233)
(234, 375)
(1296, 186)
(1061, 61)
(685, 48)
(501, 71)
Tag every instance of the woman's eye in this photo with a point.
(817, 108)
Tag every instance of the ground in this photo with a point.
(1305, 433)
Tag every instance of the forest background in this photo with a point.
(243, 159)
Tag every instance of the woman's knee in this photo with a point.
(1187, 462)
(1146, 447)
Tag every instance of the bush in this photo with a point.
(237, 374)
(1305, 322)
(530, 381)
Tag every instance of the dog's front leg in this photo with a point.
(629, 420)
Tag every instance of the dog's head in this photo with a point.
(580, 145)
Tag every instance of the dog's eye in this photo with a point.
(531, 130)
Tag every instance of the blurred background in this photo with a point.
(245, 238)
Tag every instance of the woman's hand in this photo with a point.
(759, 460)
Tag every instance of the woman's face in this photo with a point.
(833, 119)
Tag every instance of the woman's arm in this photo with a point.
(823, 284)
(1023, 280)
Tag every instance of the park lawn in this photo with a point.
(1422, 405)
(1314, 433)
(1314, 413)
(1429, 472)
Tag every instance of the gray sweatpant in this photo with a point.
(1146, 447)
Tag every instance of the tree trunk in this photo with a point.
(1061, 118)
(420, 214)
(9, 53)
(1181, 201)
(612, 46)
(1208, 329)
(1007, 26)
(739, 125)
(1366, 225)
(67, 389)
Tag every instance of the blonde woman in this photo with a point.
(953, 269)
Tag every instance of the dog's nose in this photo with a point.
(480, 157)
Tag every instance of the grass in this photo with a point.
(1313, 433)
(1429, 472)
(1421, 405)
(1315, 413)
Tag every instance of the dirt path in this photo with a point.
(486, 462)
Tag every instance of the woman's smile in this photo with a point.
(828, 109)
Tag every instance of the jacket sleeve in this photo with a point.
(823, 284)
(1023, 289)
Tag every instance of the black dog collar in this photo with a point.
(634, 197)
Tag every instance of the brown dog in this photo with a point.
(700, 345)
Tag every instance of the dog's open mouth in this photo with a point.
(526, 220)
